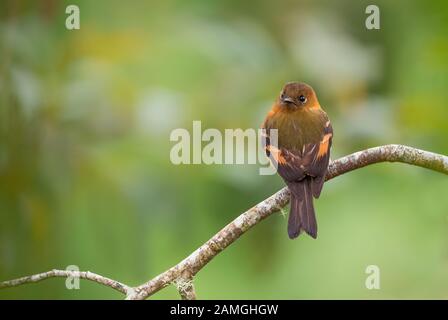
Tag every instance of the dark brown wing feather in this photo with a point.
(319, 166)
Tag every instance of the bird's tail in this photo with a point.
(301, 215)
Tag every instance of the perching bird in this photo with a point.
(303, 152)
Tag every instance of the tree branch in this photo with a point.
(65, 274)
(183, 273)
(185, 287)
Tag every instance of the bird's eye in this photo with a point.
(302, 99)
(282, 95)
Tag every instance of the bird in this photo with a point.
(304, 136)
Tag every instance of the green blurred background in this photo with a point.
(85, 118)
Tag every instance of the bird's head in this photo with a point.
(297, 96)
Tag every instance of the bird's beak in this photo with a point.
(288, 100)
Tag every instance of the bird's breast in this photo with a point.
(298, 129)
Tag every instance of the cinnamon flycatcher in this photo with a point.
(303, 152)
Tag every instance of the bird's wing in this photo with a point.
(289, 164)
(317, 167)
